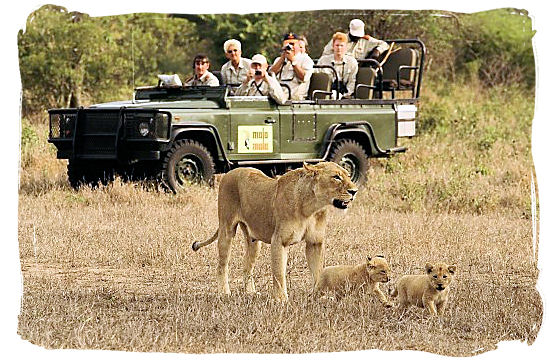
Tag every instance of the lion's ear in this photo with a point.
(429, 268)
(310, 168)
(452, 269)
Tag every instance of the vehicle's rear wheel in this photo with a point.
(351, 156)
(90, 173)
(187, 162)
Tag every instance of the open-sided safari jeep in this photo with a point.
(183, 135)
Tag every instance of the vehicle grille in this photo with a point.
(97, 134)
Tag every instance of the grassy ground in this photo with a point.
(113, 268)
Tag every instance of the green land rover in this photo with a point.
(181, 135)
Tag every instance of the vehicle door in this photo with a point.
(254, 129)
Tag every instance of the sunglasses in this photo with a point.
(232, 51)
(201, 62)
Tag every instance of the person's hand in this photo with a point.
(250, 75)
(374, 54)
(290, 55)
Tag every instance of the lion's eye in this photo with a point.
(444, 276)
(337, 177)
(435, 276)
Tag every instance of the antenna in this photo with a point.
(133, 70)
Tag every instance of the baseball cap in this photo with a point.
(258, 59)
(357, 28)
(290, 36)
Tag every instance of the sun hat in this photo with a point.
(357, 28)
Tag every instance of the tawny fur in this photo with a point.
(281, 212)
(368, 275)
(430, 290)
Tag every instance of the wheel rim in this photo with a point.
(189, 170)
(351, 164)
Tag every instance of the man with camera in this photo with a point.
(345, 65)
(259, 83)
(360, 45)
(202, 77)
(293, 67)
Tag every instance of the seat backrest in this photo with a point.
(365, 76)
(400, 57)
(319, 81)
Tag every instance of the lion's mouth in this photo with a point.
(340, 204)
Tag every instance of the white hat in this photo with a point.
(258, 59)
(357, 28)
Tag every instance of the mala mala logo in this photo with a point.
(255, 139)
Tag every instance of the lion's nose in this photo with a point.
(352, 192)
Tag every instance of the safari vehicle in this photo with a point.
(181, 135)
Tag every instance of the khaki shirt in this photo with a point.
(360, 49)
(267, 87)
(208, 79)
(232, 76)
(346, 70)
(298, 88)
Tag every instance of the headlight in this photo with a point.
(62, 125)
(162, 121)
(144, 128)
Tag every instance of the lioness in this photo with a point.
(429, 291)
(280, 212)
(370, 274)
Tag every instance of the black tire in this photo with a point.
(351, 156)
(90, 173)
(187, 162)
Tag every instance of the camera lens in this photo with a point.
(258, 72)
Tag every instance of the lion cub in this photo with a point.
(429, 291)
(369, 274)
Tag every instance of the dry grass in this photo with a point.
(113, 268)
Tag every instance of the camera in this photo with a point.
(258, 72)
(288, 47)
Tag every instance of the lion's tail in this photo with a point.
(198, 244)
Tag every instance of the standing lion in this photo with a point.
(281, 212)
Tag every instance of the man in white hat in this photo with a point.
(259, 83)
(360, 45)
(234, 71)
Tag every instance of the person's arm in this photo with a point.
(379, 45)
(277, 65)
(275, 90)
(242, 90)
(352, 78)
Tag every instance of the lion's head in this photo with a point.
(333, 185)
(378, 268)
(440, 275)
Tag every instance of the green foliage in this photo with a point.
(258, 33)
(497, 47)
(28, 135)
(69, 59)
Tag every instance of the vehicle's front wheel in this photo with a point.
(351, 156)
(187, 162)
